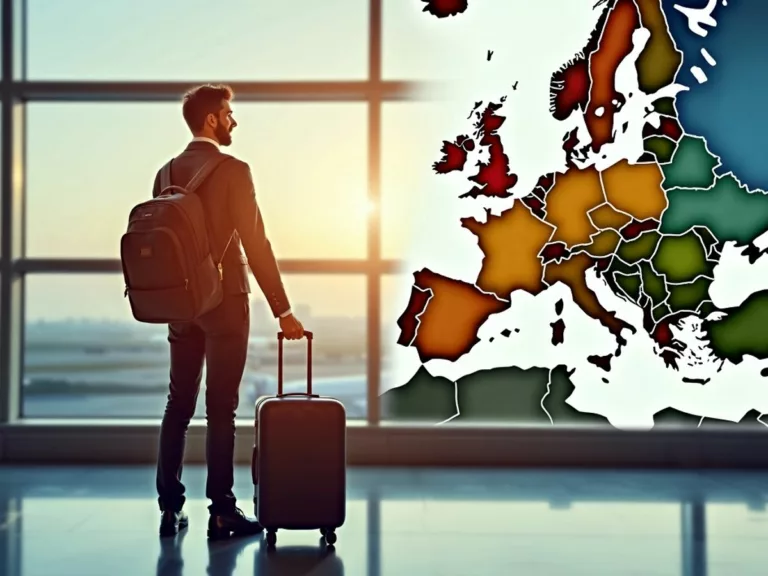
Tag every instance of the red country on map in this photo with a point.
(493, 178)
(445, 8)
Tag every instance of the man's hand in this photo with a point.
(291, 327)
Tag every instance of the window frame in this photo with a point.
(16, 91)
(373, 442)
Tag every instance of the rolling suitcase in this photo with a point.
(299, 459)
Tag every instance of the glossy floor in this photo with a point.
(102, 521)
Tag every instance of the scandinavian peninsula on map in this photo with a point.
(653, 228)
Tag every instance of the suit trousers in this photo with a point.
(219, 339)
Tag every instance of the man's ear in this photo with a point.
(211, 120)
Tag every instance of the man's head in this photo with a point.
(207, 112)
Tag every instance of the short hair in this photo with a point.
(201, 101)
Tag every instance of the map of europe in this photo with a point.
(652, 237)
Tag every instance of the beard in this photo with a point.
(223, 135)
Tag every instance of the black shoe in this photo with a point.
(172, 522)
(233, 523)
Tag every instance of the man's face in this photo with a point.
(225, 124)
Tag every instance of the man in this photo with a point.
(219, 337)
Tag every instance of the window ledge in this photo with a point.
(135, 441)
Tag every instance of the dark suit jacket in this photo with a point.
(230, 204)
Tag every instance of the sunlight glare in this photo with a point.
(367, 208)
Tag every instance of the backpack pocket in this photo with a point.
(153, 259)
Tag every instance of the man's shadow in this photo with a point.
(320, 560)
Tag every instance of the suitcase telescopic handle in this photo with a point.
(280, 337)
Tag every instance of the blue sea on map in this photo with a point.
(731, 108)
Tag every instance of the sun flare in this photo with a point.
(367, 208)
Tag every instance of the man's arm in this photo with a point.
(250, 226)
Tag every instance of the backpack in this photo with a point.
(169, 271)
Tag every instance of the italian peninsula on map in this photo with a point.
(623, 263)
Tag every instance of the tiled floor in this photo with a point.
(103, 521)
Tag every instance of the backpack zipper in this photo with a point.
(180, 252)
(191, 225)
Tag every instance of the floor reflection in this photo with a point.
(223, 558)
(320, 560)
(71, 521)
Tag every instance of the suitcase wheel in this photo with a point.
(330, 537)
(271, 537)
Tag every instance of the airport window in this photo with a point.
(334, 308)
(86, 357)
(144, 40)
(410, 144)
(308, 162)
(100, 113)
(395, 293)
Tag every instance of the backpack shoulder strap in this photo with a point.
(205, 171)
(199, 177)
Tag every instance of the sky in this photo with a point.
(89, 163)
